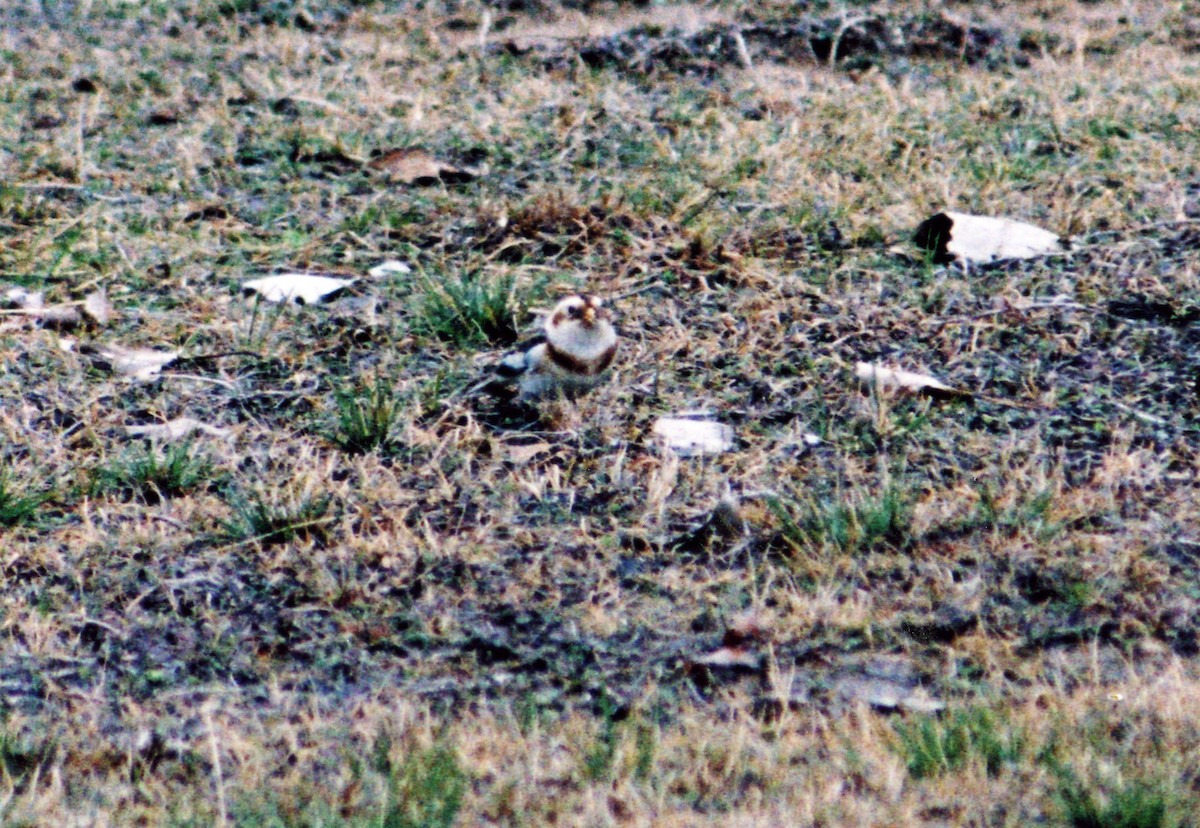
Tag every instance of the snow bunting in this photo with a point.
(577, 345)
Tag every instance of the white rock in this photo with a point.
(982, 239)
(688, 438)
(299, 288)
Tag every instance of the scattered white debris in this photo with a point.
(392, 267)
(97, 308)
(880, 376)
(26, 299)
(174, 430)
(140, 364)
(298, 288)
(983, 239)
(887, 695)
(690, 437)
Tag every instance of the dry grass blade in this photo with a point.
(310, 579)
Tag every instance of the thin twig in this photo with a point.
(653, 285)
(1141, 415)
(485, 25)
(222, 813)
(743, 52)
(196, 377)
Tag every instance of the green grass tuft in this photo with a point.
(468, 309)
(366, 416)
(932, 746)
(269, 523)
(17, 505)
(1133, 803)
(152, 475)
(424, 791)
(851, 525)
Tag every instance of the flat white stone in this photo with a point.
(300, 288)
(985, 239)
(392, 267)
(688, 438)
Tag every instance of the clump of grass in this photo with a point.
(469, 309)
(425, 790)
(152, 475)
(1030, 513)
(599, 758)
(17, 504)
(847, 525)
(1134, 803)
(366, 416)
(933, 746)
(21, 756)
(270, 523)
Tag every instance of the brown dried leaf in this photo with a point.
(414, 165)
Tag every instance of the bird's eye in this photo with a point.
(573, 312)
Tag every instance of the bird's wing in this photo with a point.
(517, 362)
(501, 377)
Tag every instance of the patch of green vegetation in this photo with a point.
(425, 790)
(366, 416)
(849, 525)
(598, 759)
(269, 523)
(645, 747)
(17, 504)
(152, 474)
(468, 309)
(1028, 513)
(932, 746)
(1132, 803)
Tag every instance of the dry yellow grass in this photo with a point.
(960, 612)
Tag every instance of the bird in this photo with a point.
(570, 356)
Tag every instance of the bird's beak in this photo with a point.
(589, 315)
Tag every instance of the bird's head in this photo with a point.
(581, 325)
(583, 310)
